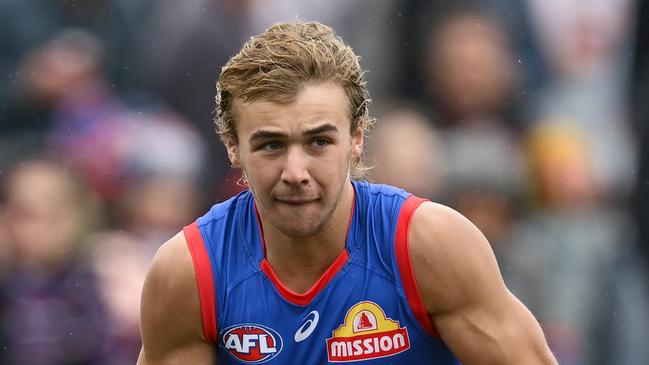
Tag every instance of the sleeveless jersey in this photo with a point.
(365, 308)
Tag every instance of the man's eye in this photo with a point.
(320, 142)
(271, 146)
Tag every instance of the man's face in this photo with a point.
(296, 156)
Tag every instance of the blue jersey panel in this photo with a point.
(361, 315)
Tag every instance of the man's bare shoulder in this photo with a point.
(171, 274)
(170, 310)
(173, 257)
(450, 256)
(464, 293)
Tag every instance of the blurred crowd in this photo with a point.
(524, 115)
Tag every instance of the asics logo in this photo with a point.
(310, 323)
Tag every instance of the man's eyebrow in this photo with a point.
(327, 127)
(261, 135)
(265, 135)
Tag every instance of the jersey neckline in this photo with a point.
(303, 299)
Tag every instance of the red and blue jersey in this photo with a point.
(365, 308)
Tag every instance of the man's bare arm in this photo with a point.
(170, 311)
(462, 289)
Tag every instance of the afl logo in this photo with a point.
(251, 343)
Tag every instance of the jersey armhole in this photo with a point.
(204, 279)
(404, 263)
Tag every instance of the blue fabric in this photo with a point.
(364, 301)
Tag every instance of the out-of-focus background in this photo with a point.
(531, 117)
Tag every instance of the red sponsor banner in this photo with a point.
(369, 346)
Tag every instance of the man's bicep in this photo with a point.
(463, 291)
(170, 310)
(501, 332)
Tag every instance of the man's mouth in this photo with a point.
(296, 201)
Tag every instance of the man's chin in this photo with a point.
(300, 220)
(299, 231)
(299, 225)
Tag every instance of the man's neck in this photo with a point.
(299, 262)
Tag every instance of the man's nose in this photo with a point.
(295, 171)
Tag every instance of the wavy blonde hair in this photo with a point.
(276, 64)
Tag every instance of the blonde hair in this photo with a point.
(276, 64)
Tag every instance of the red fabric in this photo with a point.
(402, 249)
(305, 298)
(205, 280)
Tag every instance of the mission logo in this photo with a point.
(366, 334)
(251, 343)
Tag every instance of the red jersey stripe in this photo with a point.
(305, 298)
(402, 250)
(205, 280)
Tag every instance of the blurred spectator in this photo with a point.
(586, 49)
(485, 173)
(53, 314)
(469, 68)
(466, 67)
(152, 210)
(155, 207)
(565, 251)
(27, 23)
(182, 47)
(471, 82)
(584, 183)
(582, 41)
(407, 153)
(117, 151)
(422, 16)
(373, 35)
(562, 168)
(92, 129)
(120, 262)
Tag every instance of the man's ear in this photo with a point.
(358, 141)
(233, 153)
